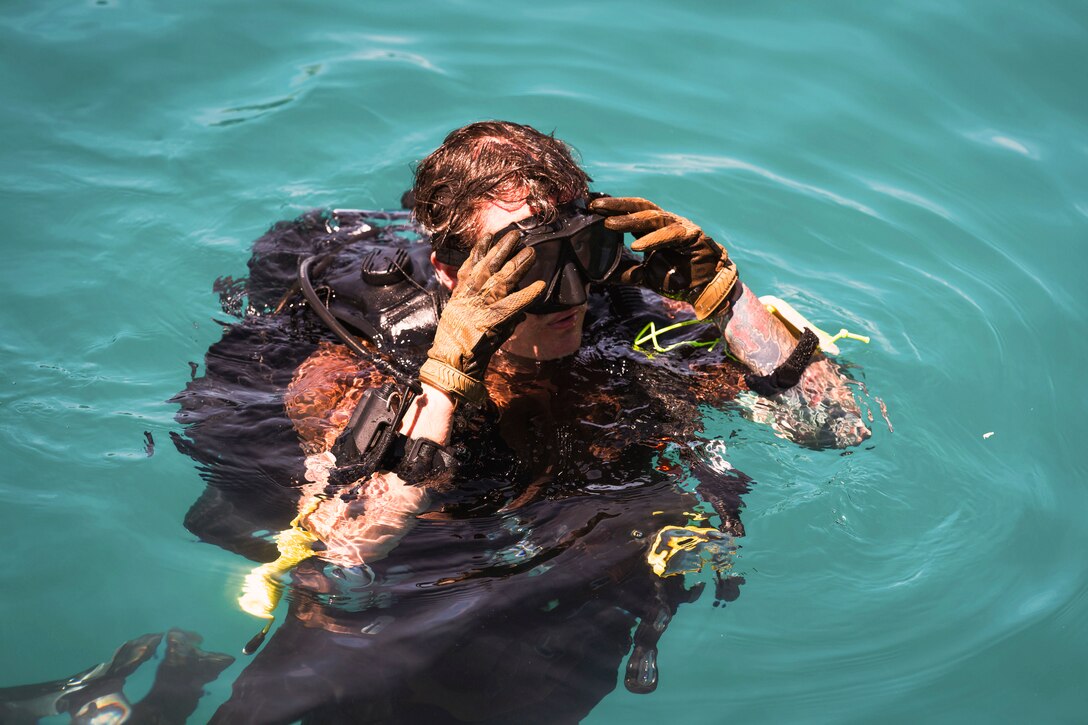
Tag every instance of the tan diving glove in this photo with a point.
(480, 316)
(681, 262)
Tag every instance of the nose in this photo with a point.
(572, 288)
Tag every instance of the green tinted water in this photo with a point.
(915, 171)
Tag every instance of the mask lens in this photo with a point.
(570, 253)
(597, 249)
(545, 264)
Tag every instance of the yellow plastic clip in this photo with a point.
(844, 335)
(796, 322)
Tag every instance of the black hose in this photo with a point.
(369, 331)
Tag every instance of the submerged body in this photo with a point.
(535, 557)
(528, 489)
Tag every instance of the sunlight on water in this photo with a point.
(915, 173)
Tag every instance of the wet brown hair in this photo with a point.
(489, 161)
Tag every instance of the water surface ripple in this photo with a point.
(915, 172)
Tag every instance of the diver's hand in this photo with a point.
(367, 527)
(479, 318)
(681, 261)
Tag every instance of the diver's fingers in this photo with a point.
(634, 274)
(628, 271)
(466, 273)
(609, 205)
(493, 260)
(674, 234)
(468, 268)
(499, 253)
(506, 279)
(641, 222)
(478, 252)
(516, 303)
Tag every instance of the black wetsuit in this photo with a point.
(518, 602)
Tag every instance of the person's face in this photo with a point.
(538, 337)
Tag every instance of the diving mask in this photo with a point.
(572, 251)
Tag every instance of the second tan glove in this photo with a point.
(480, 316)
(681, 261)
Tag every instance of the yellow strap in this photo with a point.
(650, 332)
(671, 540)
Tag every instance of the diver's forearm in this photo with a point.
(820, 410)
(755, 336)
(430, 416)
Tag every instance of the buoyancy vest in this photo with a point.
(372, 272)
(234, 422)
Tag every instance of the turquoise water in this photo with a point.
(916, 171)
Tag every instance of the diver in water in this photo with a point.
(519, 241)
(495, 491)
